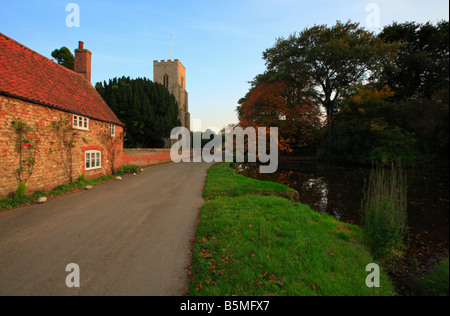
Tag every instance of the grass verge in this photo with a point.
(222, 182)
(10, 203)
(248, 244)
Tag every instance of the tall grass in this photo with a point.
(384, 212)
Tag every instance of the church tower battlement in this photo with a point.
(172, 74)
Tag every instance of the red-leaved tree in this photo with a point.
(278, 105)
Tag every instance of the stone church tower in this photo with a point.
(172, 75)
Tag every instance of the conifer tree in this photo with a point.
(147, 109)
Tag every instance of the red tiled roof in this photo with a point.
(30, 76)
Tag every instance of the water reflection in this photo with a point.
(317, 189)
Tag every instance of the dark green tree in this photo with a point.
(324, 61)
(147, 109)
(422, 64)
(64, 57)
(428, 120)
(367, 130)
(420, 80)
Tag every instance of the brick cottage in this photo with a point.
(54, 126)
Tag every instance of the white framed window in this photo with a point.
(112, 130)
(92, 160)
(80, 122)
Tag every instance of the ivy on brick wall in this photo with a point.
(27, 143)
(113, 147)
(65, 139)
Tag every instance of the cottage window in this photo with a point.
(112, 130)
(93, 160)
(80, 122)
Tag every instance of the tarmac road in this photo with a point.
(128, 237)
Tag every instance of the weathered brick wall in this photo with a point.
(48, 170)
(146, 157)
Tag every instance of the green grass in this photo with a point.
(256, 245)
(436, 284)
(221, 183)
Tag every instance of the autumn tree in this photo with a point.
(278, 105)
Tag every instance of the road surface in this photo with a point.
(128, 237)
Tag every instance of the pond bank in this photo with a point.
(337, 189)
(250, 241)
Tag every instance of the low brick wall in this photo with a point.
(146, 157)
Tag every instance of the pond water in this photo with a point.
(337, 189)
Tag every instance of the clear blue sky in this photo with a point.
(220, 42)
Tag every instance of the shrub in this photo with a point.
(83, 178)
(384, 213)
(127, 169)
(21, 191)
(394, 144)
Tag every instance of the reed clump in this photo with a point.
(384, 212)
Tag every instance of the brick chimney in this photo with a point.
(83, 61)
